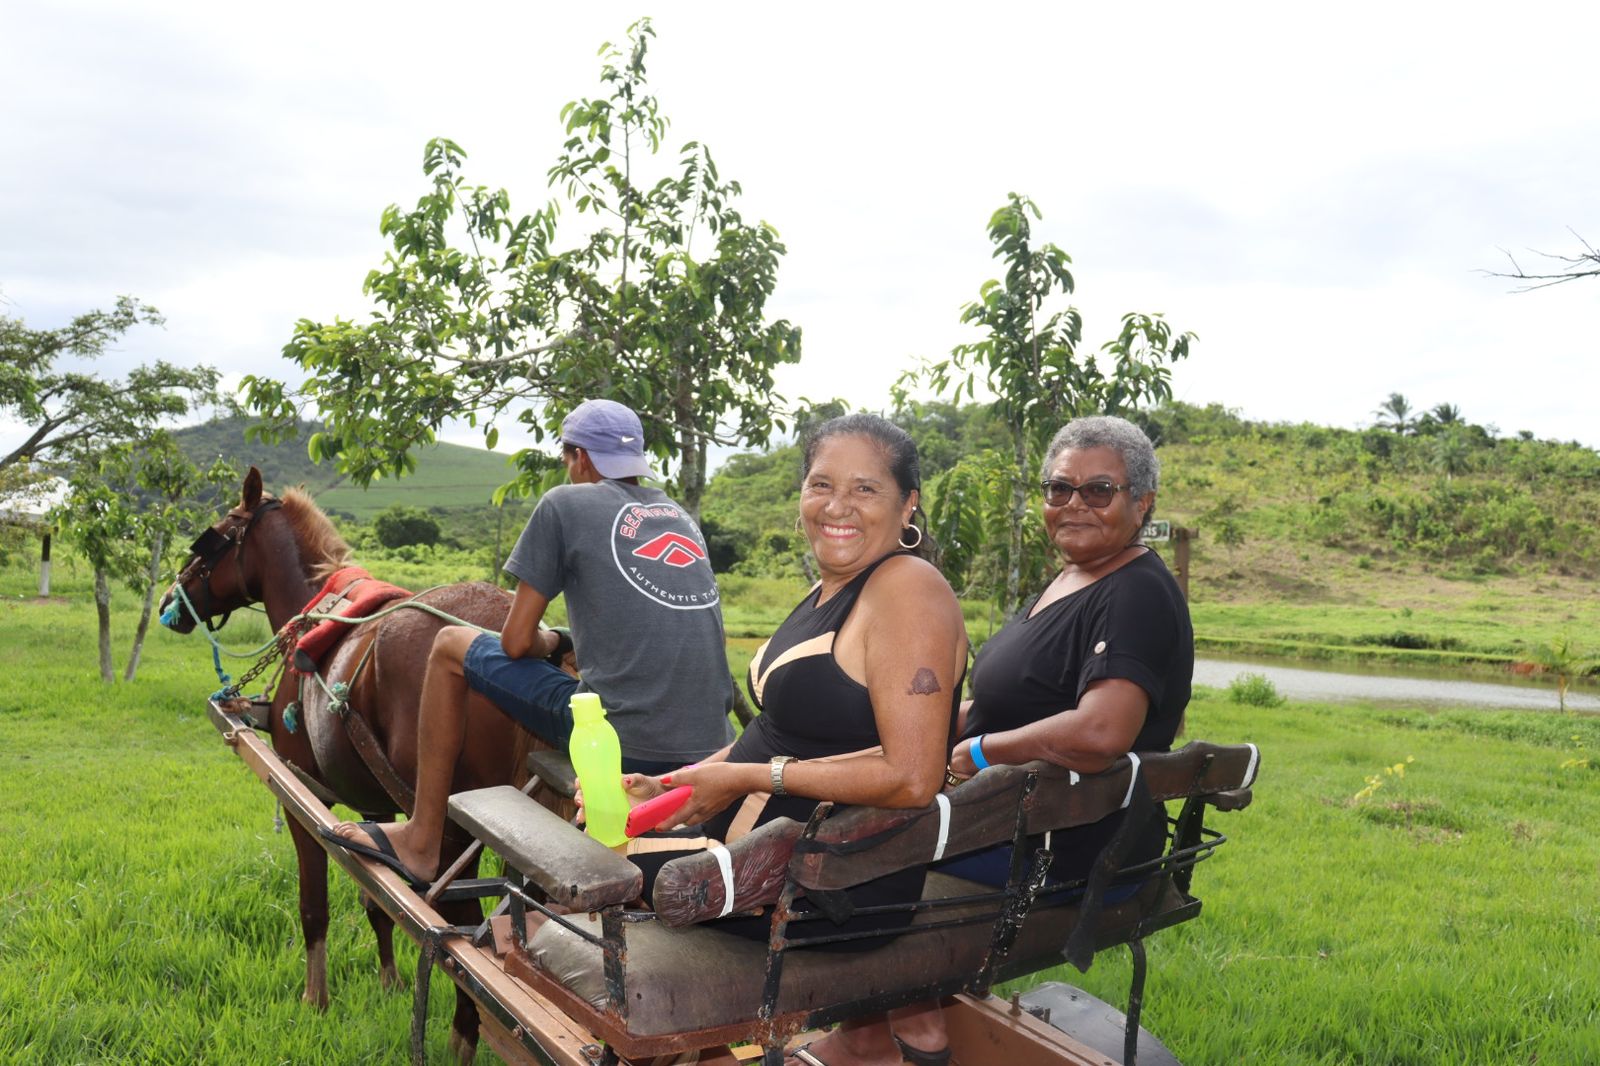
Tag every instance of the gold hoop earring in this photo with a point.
(797, 527)
(914, 545)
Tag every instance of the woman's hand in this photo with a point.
(961, 761)
(642, 787)
(716, 786)
(637, 787)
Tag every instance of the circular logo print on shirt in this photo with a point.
(659, 552)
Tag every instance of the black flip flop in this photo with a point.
(804, 1056)
(918, 1057)
(384, 853)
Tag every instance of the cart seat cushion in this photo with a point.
(665, 995)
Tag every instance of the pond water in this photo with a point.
(1422, 687)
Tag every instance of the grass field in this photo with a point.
(147, 905)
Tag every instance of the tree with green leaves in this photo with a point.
(1222, 523)
(661, 305)
(125, 506)
(1562, 657)
(1028, 357)
(398, 526)
(44, 387)
(1396, 414)
(1451, 453)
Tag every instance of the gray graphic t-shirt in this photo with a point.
(644, 610)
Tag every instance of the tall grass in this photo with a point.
(147, 906)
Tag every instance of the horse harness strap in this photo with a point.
(362, 738)
(366, 742)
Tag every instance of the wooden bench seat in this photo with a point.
(649, 983)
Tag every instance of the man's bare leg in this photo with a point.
(441, 732)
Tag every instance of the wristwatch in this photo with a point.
(775, 768)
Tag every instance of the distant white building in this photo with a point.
(29, 509)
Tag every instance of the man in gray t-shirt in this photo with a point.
(646, 627)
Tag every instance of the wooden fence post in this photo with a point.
(1180, 540)
(44, 566)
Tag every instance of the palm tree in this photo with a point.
(1450, 453)
(1562, 657)
(1395, 413)
(1446, 414)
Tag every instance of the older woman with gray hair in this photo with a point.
(1100, 663)
(1097, 665)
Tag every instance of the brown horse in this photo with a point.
(277, 553)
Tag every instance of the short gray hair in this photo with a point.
(1109, 431)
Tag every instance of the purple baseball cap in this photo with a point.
(611, 434)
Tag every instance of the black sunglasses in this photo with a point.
(1093, 493)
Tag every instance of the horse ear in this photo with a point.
(251, 496)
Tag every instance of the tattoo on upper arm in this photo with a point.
(923, 683)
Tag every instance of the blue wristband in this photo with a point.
(975, 752)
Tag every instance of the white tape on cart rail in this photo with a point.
(944, 824)
(1132, 778)
(725, 864)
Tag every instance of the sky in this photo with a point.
(1315, 191)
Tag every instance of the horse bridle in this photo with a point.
(209, 549)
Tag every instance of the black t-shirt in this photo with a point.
(1133, 623)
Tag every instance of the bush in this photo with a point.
(1255, 690)
(399, 526)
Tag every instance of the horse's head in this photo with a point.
(216, 580)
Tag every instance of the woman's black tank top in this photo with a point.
(810, 707)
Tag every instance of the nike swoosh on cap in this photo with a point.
(627, 440)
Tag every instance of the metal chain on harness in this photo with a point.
(279, 653)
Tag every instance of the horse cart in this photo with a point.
(566, 969)
(603, 982)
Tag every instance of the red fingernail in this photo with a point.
(666, 779)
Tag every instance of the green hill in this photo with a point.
(1299, 510)
(448, 478)
(1283, 511)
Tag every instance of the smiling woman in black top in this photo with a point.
(858, 690)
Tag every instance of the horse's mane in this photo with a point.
(320, 544)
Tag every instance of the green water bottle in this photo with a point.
(597, 757)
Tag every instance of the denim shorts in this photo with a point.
(536, 694)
